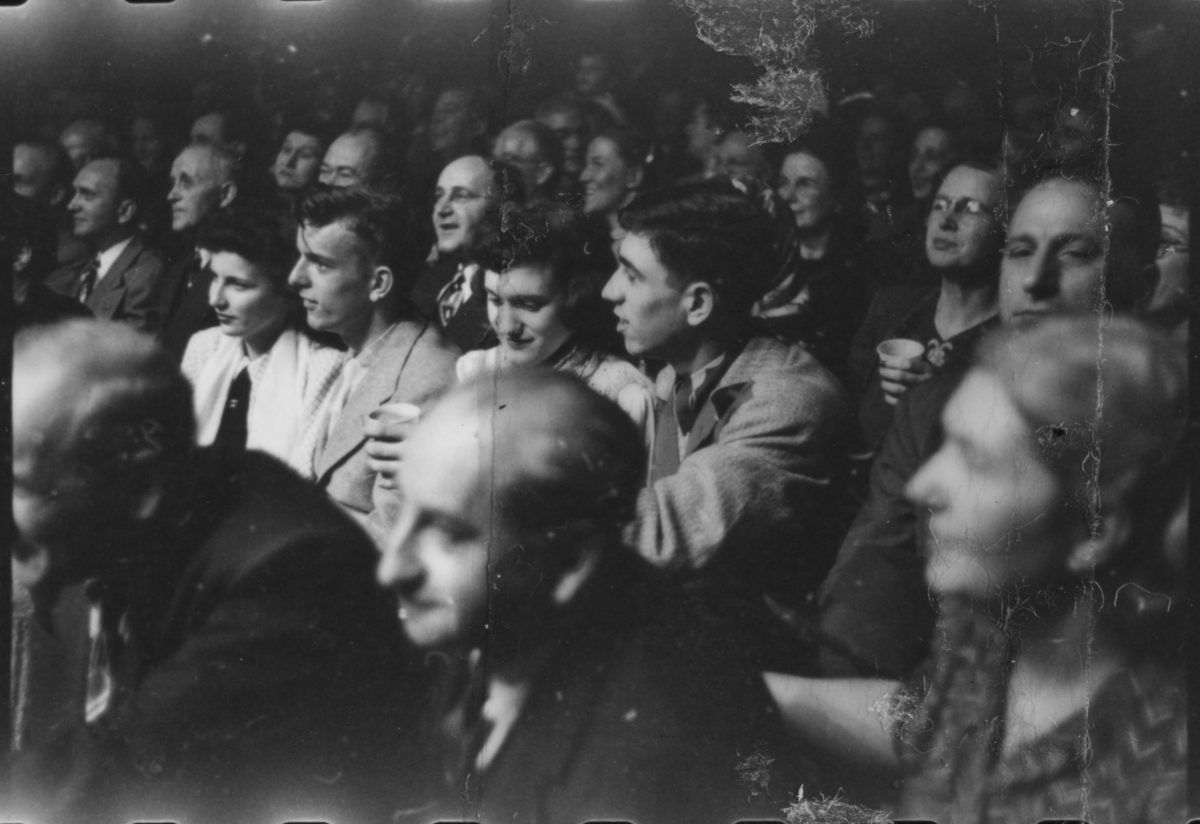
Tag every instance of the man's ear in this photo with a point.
(572, 579)
(699, 302)
(382, 281)
(1104, 544)
(637, 177)
(60, 196)
(21, 259)
(228, 191)
(545, 170)
(126, 211)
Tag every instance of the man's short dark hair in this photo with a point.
(303, 121)
(262, 237)
(710, 232)
(384, 166)
(133, 182)
(383, 221)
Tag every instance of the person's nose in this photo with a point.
(74, 205)
(174, 196)
(292, 160)
(400, 568)
(216, 295)
(1042, 276)
(612, 289)
(298, 277)
(508, 325)
(923, 489)
(441, 207)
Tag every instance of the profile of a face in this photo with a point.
(998, 518)
(608, 181)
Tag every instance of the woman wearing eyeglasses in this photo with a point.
(946, 311)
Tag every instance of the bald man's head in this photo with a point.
(514, 486)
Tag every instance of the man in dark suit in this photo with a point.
(570, 666)
(239, 656)
(358, 257)
(748, 428)
(123, 278)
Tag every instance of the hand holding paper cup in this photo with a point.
(902, 365)
(385, 429)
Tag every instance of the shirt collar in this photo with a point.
(109, 256)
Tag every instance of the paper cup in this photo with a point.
(396, 413)
(900, 349)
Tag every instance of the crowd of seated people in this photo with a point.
(414, 461)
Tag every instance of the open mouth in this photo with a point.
(944, 245)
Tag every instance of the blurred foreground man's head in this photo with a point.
(100, 416)
(514, 487)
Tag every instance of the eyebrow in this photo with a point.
(1066, 237)
(621, 259)
(313, 257)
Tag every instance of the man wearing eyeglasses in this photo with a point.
(962, 245)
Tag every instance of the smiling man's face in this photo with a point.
(465, 205)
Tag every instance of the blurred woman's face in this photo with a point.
(931, 157)
(528, 312)
(998, 519)
(805, 186)
(607, 180)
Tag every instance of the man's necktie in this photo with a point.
(452, 297)
(87, 281)
(231, 435)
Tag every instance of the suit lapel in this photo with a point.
(553, 727)
(377, 386)
(717, 407)
(107, 293)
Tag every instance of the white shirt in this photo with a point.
(109, 256)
